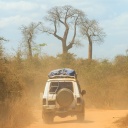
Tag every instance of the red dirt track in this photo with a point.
(93, 119)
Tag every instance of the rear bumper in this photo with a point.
(59, 111)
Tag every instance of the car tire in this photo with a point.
(80, 117)
(48, 118)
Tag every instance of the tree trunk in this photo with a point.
(30, 50)
(90, 49)
(64, 47)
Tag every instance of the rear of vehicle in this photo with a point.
(62, 97)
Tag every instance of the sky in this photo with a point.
(112, 16)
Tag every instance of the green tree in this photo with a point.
(38, 49)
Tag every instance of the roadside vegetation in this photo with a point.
(22, 80)
(23, 76)
(123, 122)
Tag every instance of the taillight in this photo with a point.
(44, 101)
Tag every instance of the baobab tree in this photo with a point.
(91, 30)
(29, 33)
(64, 19)
(127, 52)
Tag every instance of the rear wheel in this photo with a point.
(48, 118)
(80, 117)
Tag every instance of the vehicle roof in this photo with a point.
(61, 79)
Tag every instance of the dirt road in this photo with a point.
(94, 119)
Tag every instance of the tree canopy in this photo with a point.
(93, 32)
(67, 18)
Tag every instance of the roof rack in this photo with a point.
(62, 76)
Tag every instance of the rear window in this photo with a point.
(56, 86)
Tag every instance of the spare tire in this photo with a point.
(64, 97)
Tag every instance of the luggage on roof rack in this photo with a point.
(62, 73)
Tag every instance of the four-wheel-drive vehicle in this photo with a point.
(62, 97)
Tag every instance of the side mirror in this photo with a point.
(83, 92)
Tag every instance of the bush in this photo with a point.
(123, 122)
(15, 114)
(105, 83)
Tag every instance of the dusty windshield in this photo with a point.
(56, 86)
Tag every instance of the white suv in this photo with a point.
(62, 97)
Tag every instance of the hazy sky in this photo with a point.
(111, 14)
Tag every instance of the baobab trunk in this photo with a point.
(30, 50)
(90, 50)
(64, 47)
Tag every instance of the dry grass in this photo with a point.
(105, 83)
(15, 114)
(123, 122)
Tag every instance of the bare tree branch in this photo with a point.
(3, 39)
(93, 32)
(29, 33)
(63, 17)
(57, 36)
